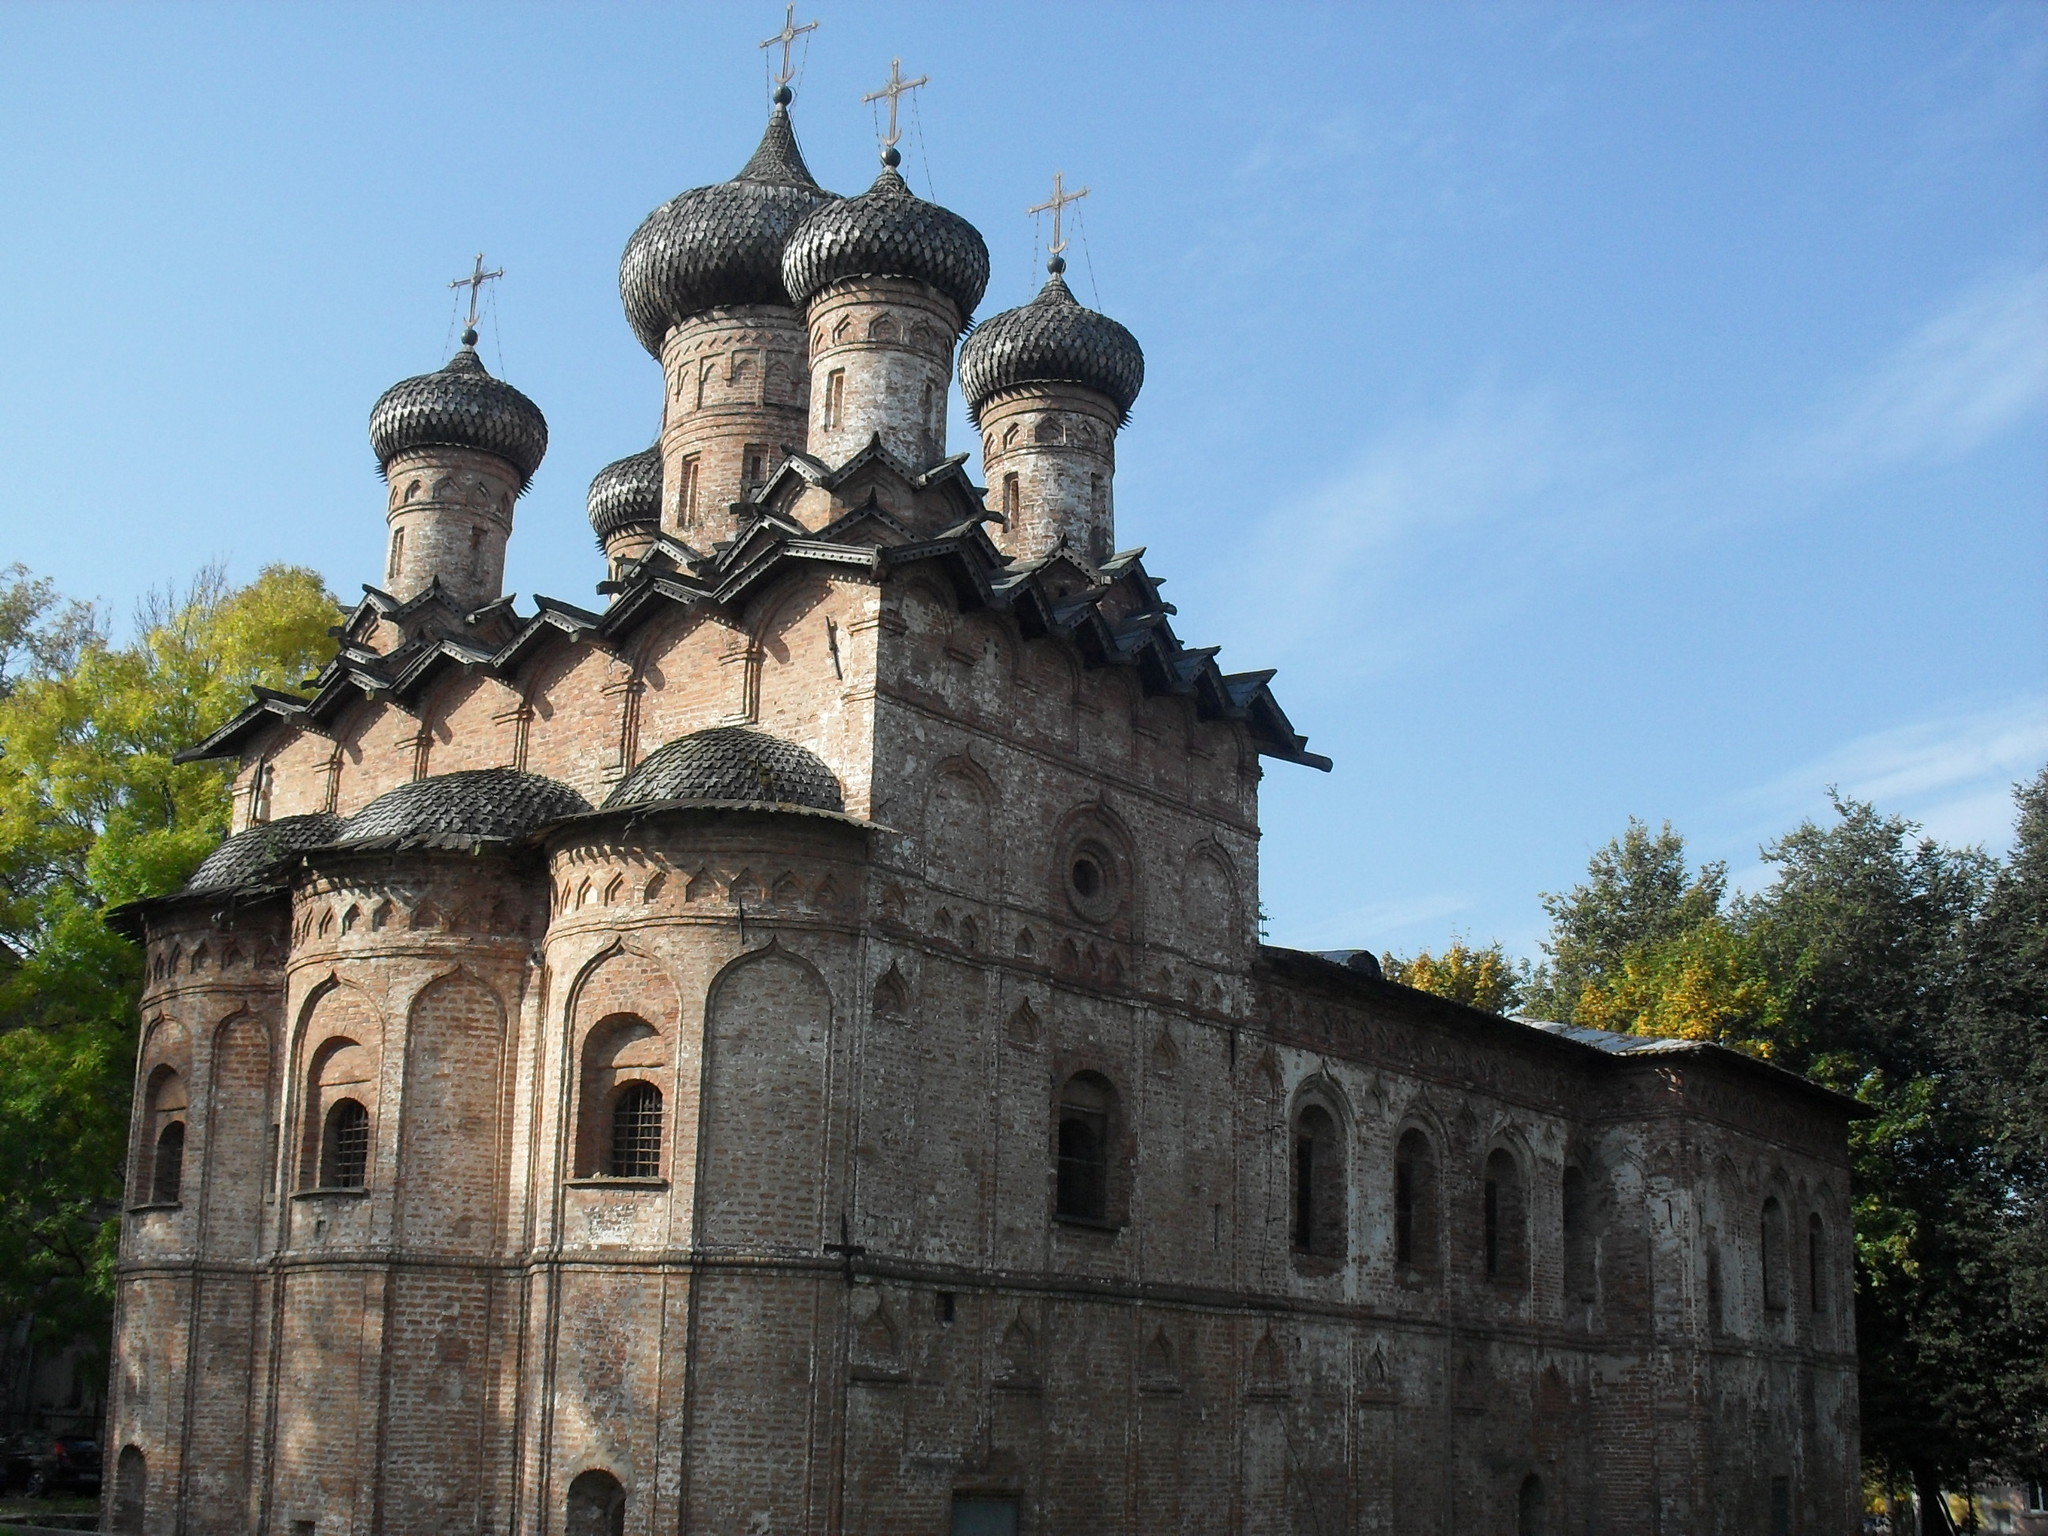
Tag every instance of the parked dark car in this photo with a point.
(35, 1463)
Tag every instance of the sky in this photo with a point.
(1593, 411)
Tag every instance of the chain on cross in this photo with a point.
(475, 284)
(1056, 205)
(788, 35)
(895, 89)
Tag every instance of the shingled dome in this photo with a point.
(887, 231)
(626, 494)
(461, 406)
(730, 765)
(717, 246)
(1052, 340)
(255, 856)
(453, 809)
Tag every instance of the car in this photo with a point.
(37, 1463)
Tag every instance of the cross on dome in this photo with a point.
(895, 89)
(1056, 205)
(789, 34)
(475, 284)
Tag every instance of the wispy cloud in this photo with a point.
(1953, 773)
(1400, 922)
(1961, 379)
(1512, 466)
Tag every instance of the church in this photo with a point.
(787, 1047)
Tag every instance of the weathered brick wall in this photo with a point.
(890, 341)
(449, 515)
(738, 393)
(1059, 442)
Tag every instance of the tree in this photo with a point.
(1999, 1052)
(1484, 978)
(1637, 893)
(94, 812)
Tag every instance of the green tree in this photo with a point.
(94, 812)
(1483, 978)
(1637, 893)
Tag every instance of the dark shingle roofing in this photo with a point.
(1051, 340)
(720, 245)
(461, 406)
(731, 765)
(254, 856)
(626, 494)
(887, 231)
(461, 809)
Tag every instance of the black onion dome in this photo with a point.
(465, 807)
(462, 406)
(730, 765)
(1052, 340)
(887, 231)
(255, 856)
(627, 494)
(721, 245)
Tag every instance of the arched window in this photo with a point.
(167, 1169)
(597, 1505)
(1580, 1275)
(345, 1146)
(1772, 1245)
(620, 1126)
(1012, 496)
(1319, 1204)
(636, 1133)
(160, 1154)
(1087, 1115)
(1532, 1517)
(1415, 1204)
(1505, 1234)
(131, 1489)
(1816, 1266)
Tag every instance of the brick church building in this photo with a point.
(788, 1048)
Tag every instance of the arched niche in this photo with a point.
(450, 1132)
(767, 1028)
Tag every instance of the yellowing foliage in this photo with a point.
(1483, 978)
(1706, 984)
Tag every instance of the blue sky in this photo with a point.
(1592, 410)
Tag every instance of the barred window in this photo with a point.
(345, 1148)
(1415, 1243)
(636, 1133)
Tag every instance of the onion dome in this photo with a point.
(887, 231)
(256, 856)
(1052, 340)
(730, 765)
(626, 494)
(459, 810)
(462, 406)
(720, 245)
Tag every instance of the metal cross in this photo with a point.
(896, 87)
(789, 34)
(1055, 205)
(475, 284)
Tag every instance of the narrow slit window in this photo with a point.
(835, 397)
(168, 1170)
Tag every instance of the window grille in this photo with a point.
(636, 1133)
(345, 1150)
